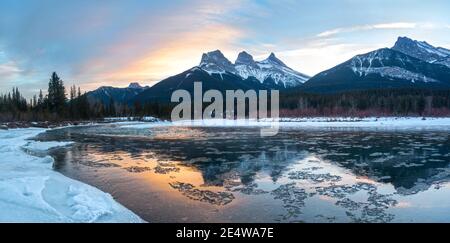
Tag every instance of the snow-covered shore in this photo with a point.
(31, 191)
(397, 123)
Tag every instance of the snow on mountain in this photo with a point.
(379, 69)
(387, 64)
(222, 81)
(423, 51)
(270, 70)
(444, 61)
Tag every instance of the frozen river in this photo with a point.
(226, 174)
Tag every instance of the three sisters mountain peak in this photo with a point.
(408, 64)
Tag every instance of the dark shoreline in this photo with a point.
(46, 124)
(54, 124)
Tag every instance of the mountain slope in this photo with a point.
(221, 81)
(105, 94)
(380, 69)
(217, 72)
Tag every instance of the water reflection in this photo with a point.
(173, 174)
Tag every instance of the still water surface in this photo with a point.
(224, 174)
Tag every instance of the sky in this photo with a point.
(91, 43)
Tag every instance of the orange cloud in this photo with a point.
(168, 57)
(155, 47)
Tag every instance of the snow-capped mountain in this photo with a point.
(271, 71)
(390, 64)
(219, 80)
(409, 64)
(423, 51)
(380, 69)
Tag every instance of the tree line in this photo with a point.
(56, 105)
(386, 102)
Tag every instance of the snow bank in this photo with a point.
(30, 191)
(145, 118)
(314, 122)
(370, 122)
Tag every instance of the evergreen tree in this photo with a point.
(56, 95)
(34, 101)
(41, 98)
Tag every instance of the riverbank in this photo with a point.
(31, 191)
(45, 124)
(397, 123)
(55, 124)
(284, 121)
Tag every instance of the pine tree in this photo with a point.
(72, 92)
(56, 95)
(34, 104)
(41, 98)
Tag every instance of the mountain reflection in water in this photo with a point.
(223, 174)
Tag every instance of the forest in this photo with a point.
(382, 102)
(57, 105)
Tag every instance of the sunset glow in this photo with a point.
(93, 44)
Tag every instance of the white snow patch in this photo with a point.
(393, 72)
(31, 191)
(124, 119)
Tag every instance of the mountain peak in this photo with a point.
(213, 56)
(135, 85)
(271, 70)
(273, 59)
(215, 61)
(420, 49)
(403, 39)
(406, 42)
(402, 66)
(244, 59)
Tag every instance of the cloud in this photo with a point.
(398, 25)
(9, 70)
(394, 26)
(170, 56)
(93, 44)
(106, 45)
(149, 52)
